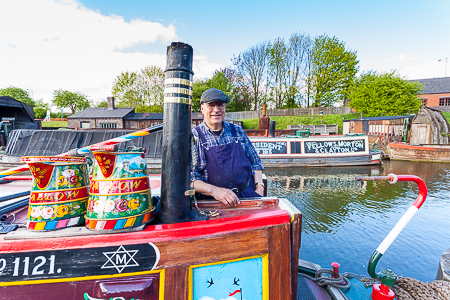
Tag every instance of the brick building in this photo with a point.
(436, 92)
(100, 117)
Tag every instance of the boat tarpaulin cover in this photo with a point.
(54, 142)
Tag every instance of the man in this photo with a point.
(225, 164)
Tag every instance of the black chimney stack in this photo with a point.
(175, 175)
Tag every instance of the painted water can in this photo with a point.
(59, 192)
(120, 191)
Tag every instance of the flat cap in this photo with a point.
(212, 95)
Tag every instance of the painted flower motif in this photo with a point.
(122, 205)
(46, 212)
(99, 206)
(73, 179)
(61, 211)
(62, 180)
(105, 164)
(90, 206)
(109, 206)
(38, 173)
(35, 212)
(134, 203)
(68, 173)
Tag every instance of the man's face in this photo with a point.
(213, 112)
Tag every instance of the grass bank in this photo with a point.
(56, 124)
(283, 122)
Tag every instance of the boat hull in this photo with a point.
(431, 153)
(257, 244)
(318, 151)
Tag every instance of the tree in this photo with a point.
(102, 103)
(199, 87)
(143, 90)
(277, 71)
(306, 67)
(384, 94)
(240, 95)
(18, 94)
(251, 64)
(73, 100)
(333, 69)
(40, 109)
(298, 47)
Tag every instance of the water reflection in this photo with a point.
(345, 220)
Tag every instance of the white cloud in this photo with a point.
(428, 69)
(402, 58)
(47, 45)
(202, 68)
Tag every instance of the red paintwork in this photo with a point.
(18, 178)
(153, 233)
(336, 267)
(423, 191)
(408, 146)
(382, 292)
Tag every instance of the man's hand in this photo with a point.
(225, 196)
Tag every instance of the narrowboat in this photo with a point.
(316, 151)
(416, 152)
(125, 235)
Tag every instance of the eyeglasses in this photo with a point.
(211, 106)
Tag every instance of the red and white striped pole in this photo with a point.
(382, 291)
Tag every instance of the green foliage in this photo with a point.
(446, 115)
(221, 80)
(143, 90)
(102, 103)
(384, 95)
(333, 71)
(74, 100)
(199, 87)
(40, 109)
(18, 94)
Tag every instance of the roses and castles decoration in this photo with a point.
(59, 192)
(120, 191)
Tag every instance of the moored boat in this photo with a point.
(315, 151)
(413, 152)
(191, 250)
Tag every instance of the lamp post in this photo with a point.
(446, 59)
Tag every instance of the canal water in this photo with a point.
(345, 220)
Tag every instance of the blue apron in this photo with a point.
(228, 166)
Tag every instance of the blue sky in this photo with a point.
(83, 45)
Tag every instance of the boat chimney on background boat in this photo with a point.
(264, 120)
(175, 206)
(272, 128)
